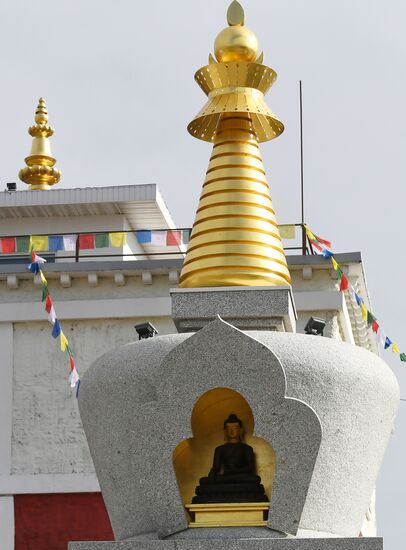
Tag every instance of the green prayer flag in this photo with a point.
(370, 318)
(24, 243)
(403, 357)
(44, 292)
(339, 273)
(101, 240)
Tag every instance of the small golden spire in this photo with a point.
(40, 172)
(235, 239)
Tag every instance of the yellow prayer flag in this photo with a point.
(395, 349)
(39, 242)
(364, 311)
(335, 264)
(64, 342)
(287, 231)
(117, 239)
(44, 281)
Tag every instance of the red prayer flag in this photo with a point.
(86, 241)
(344, 283)
(8, 245)
(173, 238)
(320, 248)
(327, 243)
(375, 326)
(48, 304)
(72, 362)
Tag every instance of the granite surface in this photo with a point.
(353, 392)
(236, 544)
(247, 308)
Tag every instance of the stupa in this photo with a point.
(237, 432)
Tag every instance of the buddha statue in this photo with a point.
(232, 477)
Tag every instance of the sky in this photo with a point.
(117, 76)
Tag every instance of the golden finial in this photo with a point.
(235, 239)
(40, 172)
(236, 42)
(235, 14)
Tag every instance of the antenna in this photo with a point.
(301, 168)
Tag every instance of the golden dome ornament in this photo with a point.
(235, 239)
(40, 173)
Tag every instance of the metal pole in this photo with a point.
(301, 169)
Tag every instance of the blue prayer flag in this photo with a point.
(143, 237)
(388, 342)
(56, 331)
(326, 253)
(55, 242)
(359, 299)
(34, 267)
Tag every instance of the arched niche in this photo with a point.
(192, 458)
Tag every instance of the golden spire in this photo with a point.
(235, 238)
(40, 172)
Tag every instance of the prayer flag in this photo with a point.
(388, 342)
(36, 258)
(335, 264)
(317, 246)
(364, 311)
(381, 336)
(34, 267)
(45, 290)
(309, 234)
(359, 299)
(370, 318)
(48, 304)
(64, 341)
(56, 331)
(8, 245)
(395, 348)
(326, 253)
(158, 238)
(287, 231)
(51, 315)
(403, 357)
(323, 241)
(173, 238)
(74, 378)
(40, 242)
(44, 281)
(69, 243)
(117, 239)
(55, 242)
(186, 236)
(23, 243)
(353, 294)
(86, 241)
(343, 283)
(143, 237)
(375, 326)
(101, 240)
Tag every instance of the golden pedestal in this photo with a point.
(240, 514)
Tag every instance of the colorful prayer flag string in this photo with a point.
(57, 332)
(323, 246)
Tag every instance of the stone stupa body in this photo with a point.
(237, 403)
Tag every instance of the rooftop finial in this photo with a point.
(236, 42)
(235, 14)
(40, 172)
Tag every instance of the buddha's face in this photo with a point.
(233, 432)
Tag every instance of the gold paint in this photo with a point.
(228, 515)
(40, 172)
(193, 458)
(235, 238)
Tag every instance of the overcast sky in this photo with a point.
(118, 79)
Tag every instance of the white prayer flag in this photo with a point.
(158, 238)
(52, 316)
(69, 242)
